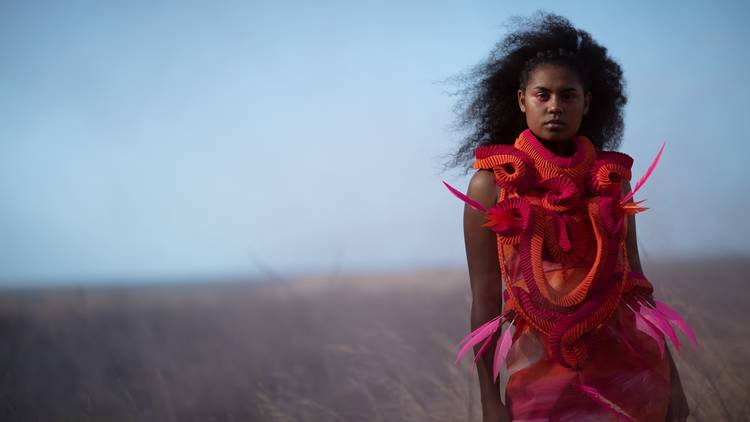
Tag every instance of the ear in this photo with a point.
(521, 101)
(586, 102)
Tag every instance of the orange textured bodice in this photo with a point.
(561, 240)
(589, 338)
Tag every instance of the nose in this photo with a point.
(554, 106)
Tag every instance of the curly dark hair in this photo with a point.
(489, 104)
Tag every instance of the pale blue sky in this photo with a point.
(192, 139)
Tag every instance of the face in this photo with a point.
(554, 102)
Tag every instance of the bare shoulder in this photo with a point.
(483, 188)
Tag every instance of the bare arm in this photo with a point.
(484, 275)
(634, 260)
(678, 408)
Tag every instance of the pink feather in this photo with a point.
(594, 395)
(472, 203)
(653, 317)
(486, 344)
(645, 175)
(675, 317)
(501, 351)
(486, 330)
(480, 333)
(648, 329)
(485, 326)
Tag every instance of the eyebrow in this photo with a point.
(566, 89)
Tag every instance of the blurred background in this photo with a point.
(175, 175)
(158, 141)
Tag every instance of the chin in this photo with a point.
(556, 136)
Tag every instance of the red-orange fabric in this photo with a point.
(567, 285)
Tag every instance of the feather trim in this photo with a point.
(500, 220)
(672, 315)
(645, 176)
(486, 344)
(480, 334)
(632, 208)
(472, 203)
(662, 324)
(647, 328)
(481, 327)
(602, 401)
(501, 351)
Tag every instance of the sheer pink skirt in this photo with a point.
(626, 369)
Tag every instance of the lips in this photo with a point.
(555, 123)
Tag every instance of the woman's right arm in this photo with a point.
(484, 276)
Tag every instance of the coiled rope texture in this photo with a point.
(567, 210)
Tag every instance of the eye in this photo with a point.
(542, 96)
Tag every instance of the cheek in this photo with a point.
(532, 115)
(537, 103)
(535, 106)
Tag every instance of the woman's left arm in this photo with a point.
(678, 407)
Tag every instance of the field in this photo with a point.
(377, 347)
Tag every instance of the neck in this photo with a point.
(560, 148)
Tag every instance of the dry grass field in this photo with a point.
(370, 348)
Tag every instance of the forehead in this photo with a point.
(554, 77)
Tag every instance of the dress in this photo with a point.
(585, 338)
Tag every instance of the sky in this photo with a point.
(162, 141)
